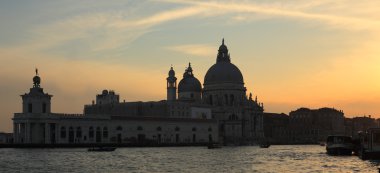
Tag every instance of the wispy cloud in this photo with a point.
(203, 50)
(307, 11)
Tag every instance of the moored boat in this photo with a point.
(339, 145)
(214, 146)
(369, 148)
(264, 145)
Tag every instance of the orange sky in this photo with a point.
(292, 54)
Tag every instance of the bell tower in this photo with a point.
(36, 101)
(171, 82)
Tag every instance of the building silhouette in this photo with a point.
(220, 111)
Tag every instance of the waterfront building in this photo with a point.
(359, 124)
(219, 112)
(311, 126)
(276, 128)
(6, 138)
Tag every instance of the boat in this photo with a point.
(369, 148)
(339, 145)
(214, 146)
(107, 149)
(267, 145)
(264, 144)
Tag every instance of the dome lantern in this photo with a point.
(223, 55)
(223, 71)
(36, 80)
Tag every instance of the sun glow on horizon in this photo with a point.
(292, 54)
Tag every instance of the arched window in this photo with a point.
(119, 128)
(91, 132)
(43, 107)
(79, 132)
(105, 132)
(98, 134)
(63, 132)
(177, 129)
(232, 99)
(139, 128)
(71, 134)
(194, 129)
(30, 108)
(159, 128)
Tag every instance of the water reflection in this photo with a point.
(183, 159)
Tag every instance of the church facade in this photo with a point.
(220, 111)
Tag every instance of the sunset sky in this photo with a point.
(294, 53)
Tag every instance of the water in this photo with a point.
(302, 158)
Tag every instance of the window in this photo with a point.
(63, 132)
(119, 128)
(210, 129)
(194, 129)
(232, 99)
(71, 134)
(91, 132)
(30, 107)
(98, 134)
(139, 128)
(191, 95)
(43, 107)
(177, 129)
(105, 132)
(159, 129)
(79, 132)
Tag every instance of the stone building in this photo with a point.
(311, 126)
(219, 112)
(276, 128)
(359, 124)
(6, 138)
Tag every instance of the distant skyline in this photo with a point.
(292, 54)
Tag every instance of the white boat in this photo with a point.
(339, 145)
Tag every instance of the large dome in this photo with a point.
(189, 83)
(223, 72)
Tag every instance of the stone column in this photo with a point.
(47, 133)
(15, 132)
(22, 133)
(27, 130)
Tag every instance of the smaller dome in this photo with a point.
(105, 92)
(171, 72)
(189, 83)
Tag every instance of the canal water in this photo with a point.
(299, 158)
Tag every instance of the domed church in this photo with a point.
(220, 112)
(239, 117)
